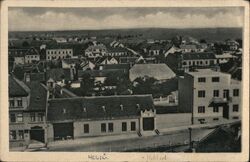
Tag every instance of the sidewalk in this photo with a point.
(169, 136)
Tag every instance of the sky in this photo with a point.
(47, 19)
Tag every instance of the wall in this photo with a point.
(172, 120)
(95, 128)
(185, 90)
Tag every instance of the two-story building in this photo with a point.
(32, 55)
(210, 96)
(96, 50)
(196, 60)
(99, 116)
(27, 105)
(58, 53)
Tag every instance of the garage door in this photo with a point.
(148, 124)
(63, 130)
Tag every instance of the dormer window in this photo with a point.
(84, 109)
(64, 111)
(121, 107)
(103, 108)
(137, 106)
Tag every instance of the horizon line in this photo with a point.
(121, 29)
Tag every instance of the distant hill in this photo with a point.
(209, 34)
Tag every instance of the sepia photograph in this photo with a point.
(137, 79)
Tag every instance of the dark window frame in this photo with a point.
(86, 128)
(201, 93)
(133, 126)
(202, 80)
(124, 126)
(235, 108)
(103, 128)
(215, 79)
(111, 127)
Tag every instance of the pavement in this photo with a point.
(124, 142)
(169, 137)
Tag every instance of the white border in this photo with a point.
(79, 156)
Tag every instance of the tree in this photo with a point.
(25, 44)
(87, 84)
(203, 41)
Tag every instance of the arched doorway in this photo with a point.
(37, 133)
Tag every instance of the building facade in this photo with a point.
(27, 105)
(210, 96)
(98, 116)
(54, 54)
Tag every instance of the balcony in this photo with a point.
(219, 101)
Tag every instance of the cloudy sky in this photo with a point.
(26, 19)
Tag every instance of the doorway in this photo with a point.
(148, 124)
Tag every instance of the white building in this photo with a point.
(54, 54)
(210, 96)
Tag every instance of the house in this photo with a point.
(60, 40)
(96, 50)
(89, 65)
(17, 55)
(60, 52)
(160, 72)
(27, 106)
(188, 48)
(186, 61)
(109, 60)
(32, 55)
(118, 52)
(224, 58)
(210, 96)
(173, 49)
(232, 44)
(100, 116)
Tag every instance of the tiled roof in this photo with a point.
(158, 71)
(17, 88)
(38, 96)
(32, 51)
(98, 107)
(198, 56)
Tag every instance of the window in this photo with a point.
(201, 109)
(133, 126)
(202, 79)
(12, 134)
(19, 117)
(103, 127)
(215, 79)
(201, 94)
(216, 93)
(19, 102)
(215, 109)
(12, 118)
(32, 117)
(86, 128)
(40, 116)
(235, 108)
(124, 126)
(11, 103)
(111, 127)
(236, 92)
(20, 134)
(235, 117)
(215, 119)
